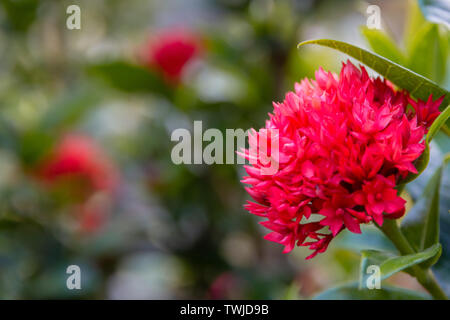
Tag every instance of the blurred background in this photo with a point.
(86, 117)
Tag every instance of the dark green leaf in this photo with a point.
(33, 146)
(19, 14)
(130, 77)
(417, 85)
(442, 268)
(421, 224)
(352, 292)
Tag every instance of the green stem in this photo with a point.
(424, 276)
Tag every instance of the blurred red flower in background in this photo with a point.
(226, 286)
(78, 157)
(170, 51)
(344, 143)
(77, 165)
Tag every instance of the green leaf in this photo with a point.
(427, 53)
(19, 15)
(33, 145)
(438, 123)
(442, 268)
(415, 20)
(352, 292)
(130, 77)
(437, 11)
(417, 85)
(421, 224)
(383, 45)
(390, 264)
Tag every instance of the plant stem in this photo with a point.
(424, 276)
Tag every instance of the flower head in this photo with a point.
(344, 143)
(170, 51)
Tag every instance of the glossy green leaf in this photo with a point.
(427, 53)
(421, 224)
(417, 85)
(383, 45)
(390, 264)
(352, 292)
(130, 77)
(19, 15)
(437, 11)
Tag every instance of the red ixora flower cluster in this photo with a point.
(344, 143)
(170, 51)
(78, 162)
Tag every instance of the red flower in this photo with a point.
(426, 111)
(338, 213)
(78, 165)
(379, 196)
(170, 51)
(78, 158)
(344, 142)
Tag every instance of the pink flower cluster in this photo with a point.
(344, 143)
